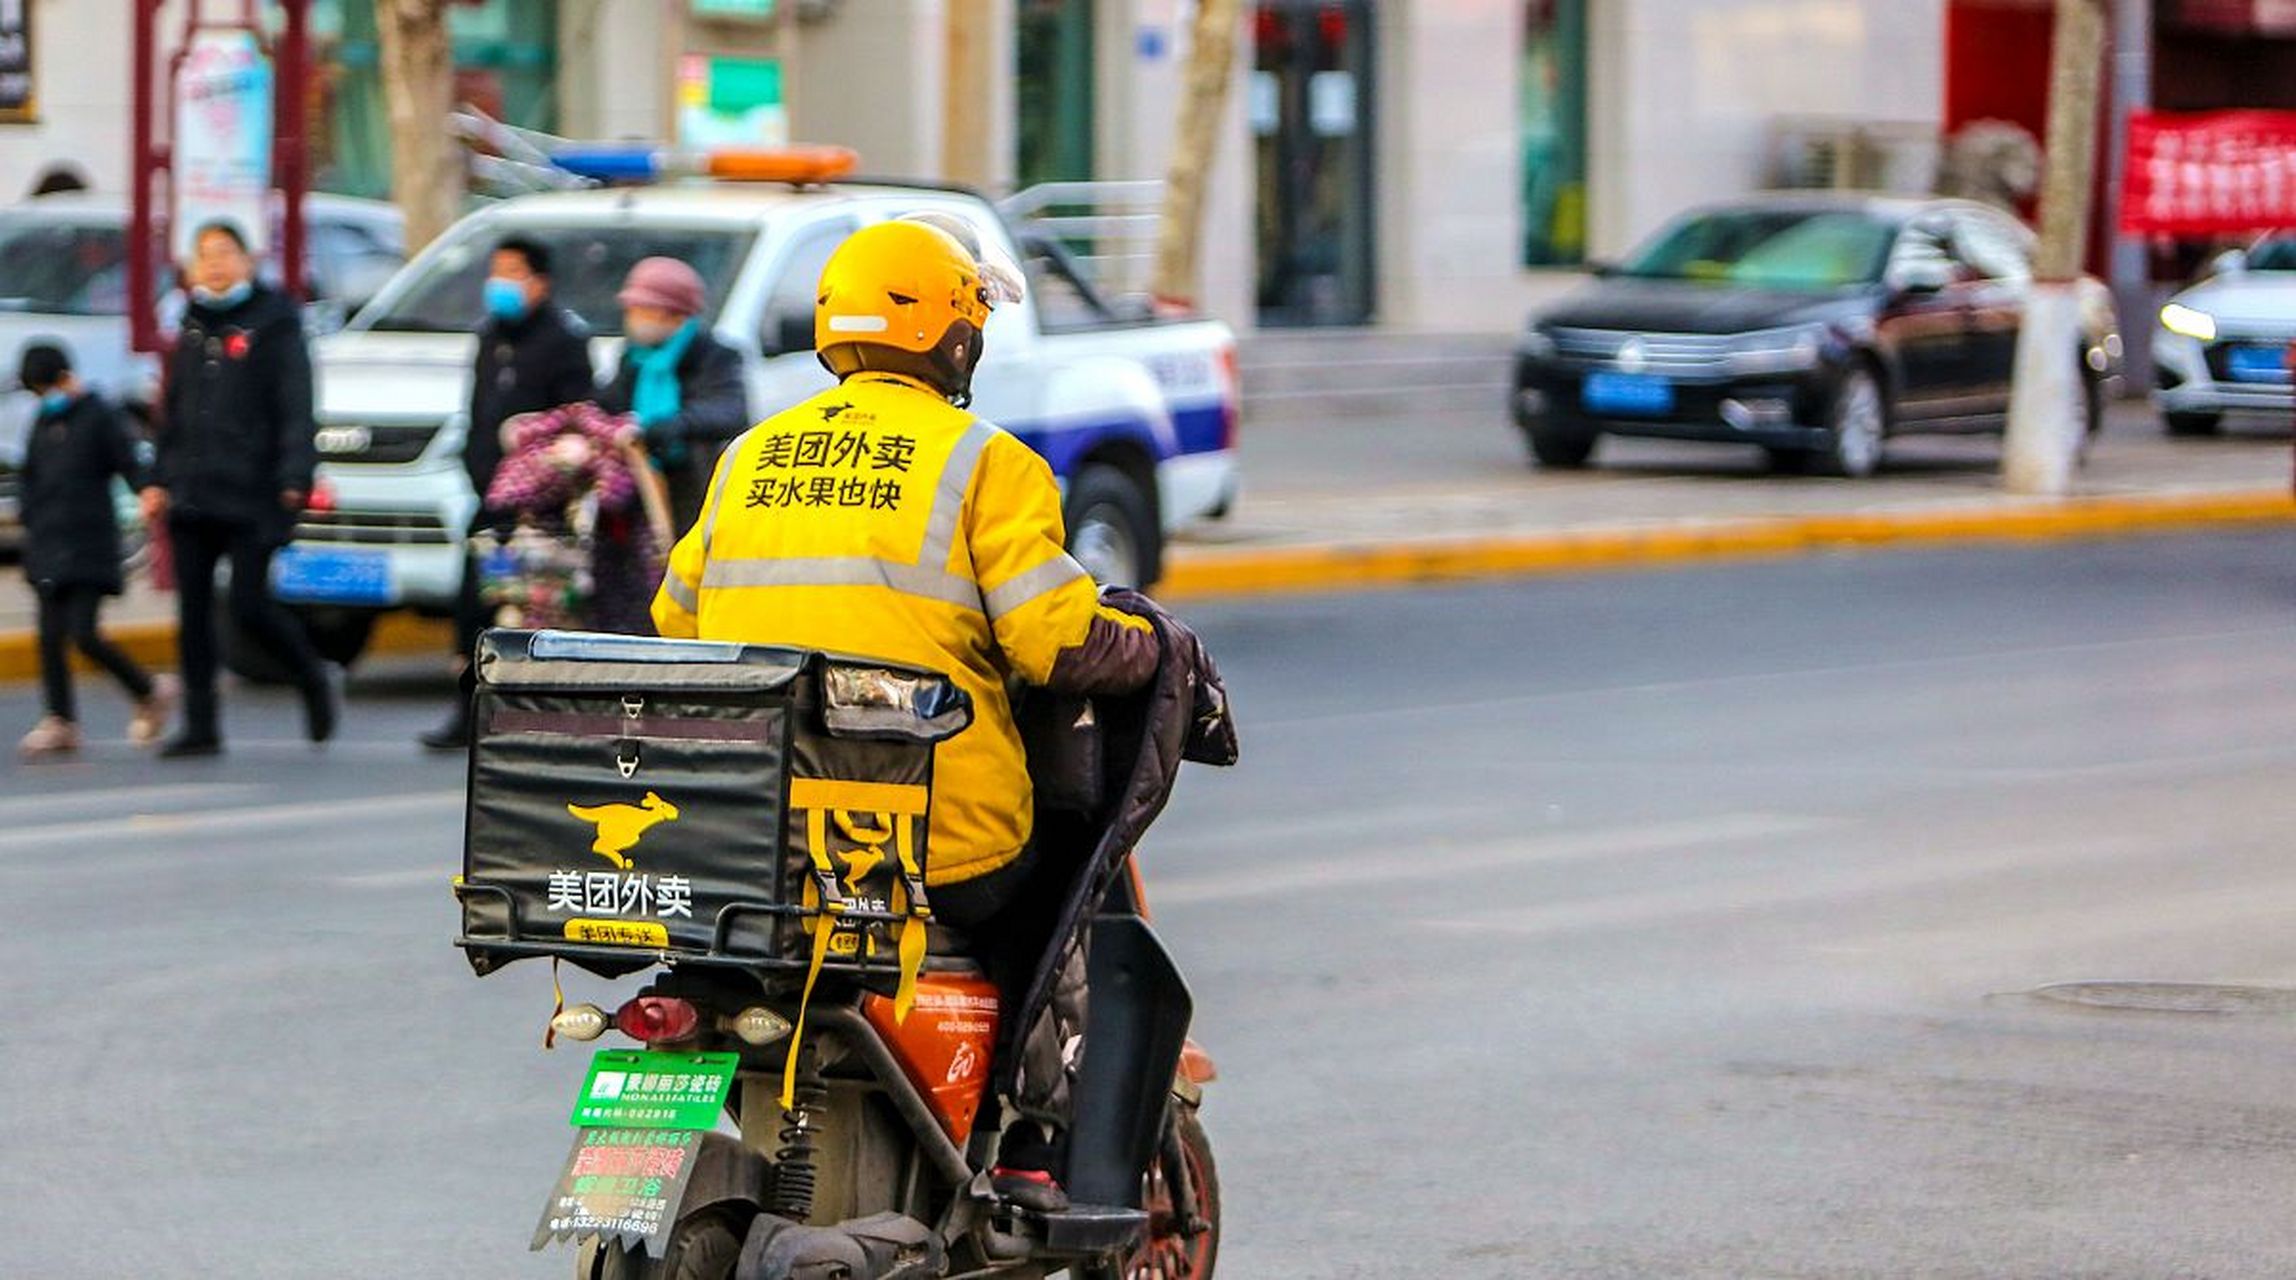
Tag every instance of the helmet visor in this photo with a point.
(1000, 275)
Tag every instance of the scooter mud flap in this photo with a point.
(1135, 1025)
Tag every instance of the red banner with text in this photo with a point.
(2216, 173)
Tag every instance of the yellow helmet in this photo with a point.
(906, 297)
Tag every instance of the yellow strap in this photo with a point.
(913, 932)
(912, 963)
(859, 797)
(550, 1028)
(822, 929)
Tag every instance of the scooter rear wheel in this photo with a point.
(706, 1246)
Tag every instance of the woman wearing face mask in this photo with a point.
(236, 459)
(682, 384)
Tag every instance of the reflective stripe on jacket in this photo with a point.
(877, 519)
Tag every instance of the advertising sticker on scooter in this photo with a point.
(620, 1184)
(641, 1115)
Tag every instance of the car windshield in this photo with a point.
(587, 267)
(1809, 249)
(63, 268)
(2276, 254)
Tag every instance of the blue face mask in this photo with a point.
(505, 299)
(55, 402)
(225, 300)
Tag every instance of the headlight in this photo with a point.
(1779, 350)
(2198, 325)
(1536, 344)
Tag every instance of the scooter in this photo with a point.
(877, 1170)
(816, 1052)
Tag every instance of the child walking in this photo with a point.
(78, 446)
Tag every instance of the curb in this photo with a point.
(1213, 573)
(152, 644)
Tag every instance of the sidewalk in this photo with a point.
(1339, 502)
(1346, 502)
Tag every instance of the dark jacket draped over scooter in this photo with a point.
(1181, 716)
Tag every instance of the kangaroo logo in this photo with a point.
(622, 826)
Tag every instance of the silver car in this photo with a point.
(2223, 343)
(64, 279)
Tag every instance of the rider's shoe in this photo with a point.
(1030, 1189)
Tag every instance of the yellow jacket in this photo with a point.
(879, 520)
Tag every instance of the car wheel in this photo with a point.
(2192, 424)
(1112, 528)
(1560, 445)
(1859, 421)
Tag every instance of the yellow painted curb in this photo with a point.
(1217, 572)
(1204, 572)
(153, 643)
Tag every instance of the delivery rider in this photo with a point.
(882, 519)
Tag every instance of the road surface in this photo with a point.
(1682, 924)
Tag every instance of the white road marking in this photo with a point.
(1440, 710)
(235, 820)
(1414, 860)
(79, 802)
(440, 877)
(1698, 902)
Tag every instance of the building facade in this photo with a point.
(1425, 164)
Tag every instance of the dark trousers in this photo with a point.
(471, 616)
(1008, 915)
(200, 545)
(67, 621)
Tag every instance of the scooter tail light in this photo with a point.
(658, 1019)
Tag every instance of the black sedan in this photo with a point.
(1814, 325)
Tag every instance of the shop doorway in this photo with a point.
(1312, 126)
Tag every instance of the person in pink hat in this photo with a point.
(683, 385)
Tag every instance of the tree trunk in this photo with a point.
(418, 88)
(2046, 407)
(1211, 55)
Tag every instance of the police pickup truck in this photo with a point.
(1137, 415)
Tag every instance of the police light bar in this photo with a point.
(635, 163)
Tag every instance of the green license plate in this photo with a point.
(639, 1089)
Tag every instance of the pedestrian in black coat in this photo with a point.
(236, 459)
(532, 357)
(79, 447)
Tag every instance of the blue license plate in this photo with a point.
(1635, 393)
(2257, 364)
(309, 575)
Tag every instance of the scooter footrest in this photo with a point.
(1091, 1228)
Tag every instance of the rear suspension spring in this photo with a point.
(794, 1173)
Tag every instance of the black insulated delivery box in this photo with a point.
(635, 801)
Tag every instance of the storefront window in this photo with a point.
(1553, 120)
(505, 64)
(1053, 83)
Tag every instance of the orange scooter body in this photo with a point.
(945, 1045)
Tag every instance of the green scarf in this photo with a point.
(655, 397)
